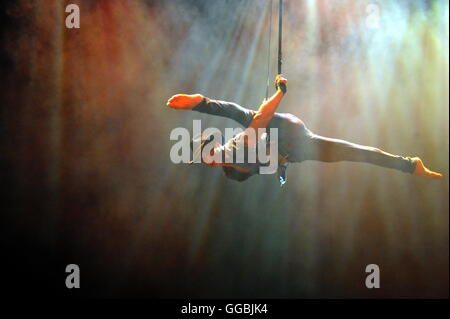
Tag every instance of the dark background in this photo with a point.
(85, 150)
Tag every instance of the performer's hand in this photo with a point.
(281, 82)
(184, 101)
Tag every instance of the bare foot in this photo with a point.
(421, 170)
(184, 101)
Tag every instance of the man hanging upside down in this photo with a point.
(296, 143)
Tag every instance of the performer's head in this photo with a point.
(230, 171)
(202, 141)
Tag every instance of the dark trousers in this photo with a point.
(326, 149)
(298, 143)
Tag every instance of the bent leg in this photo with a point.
(326, 149)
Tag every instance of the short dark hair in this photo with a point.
(234, 174)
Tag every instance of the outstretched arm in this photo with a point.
(268, 108)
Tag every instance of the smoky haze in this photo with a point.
(85, 148)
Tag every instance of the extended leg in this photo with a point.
(333, 150)
(202, 104)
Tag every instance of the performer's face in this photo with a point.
(215, 157)
(212, 154)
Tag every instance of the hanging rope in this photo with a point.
(280, 34)
(280, 38)
(268, 49)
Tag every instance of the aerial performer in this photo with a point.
(296, 142)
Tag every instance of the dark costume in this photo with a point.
(296, 143)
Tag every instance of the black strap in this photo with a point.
(268, 49)
(280, 38)
(280, 35)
